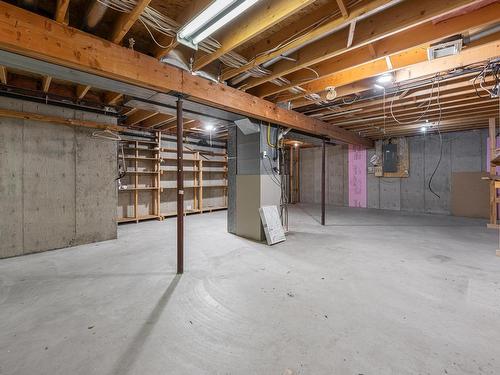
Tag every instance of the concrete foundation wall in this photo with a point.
(462, 152)
(57, 185)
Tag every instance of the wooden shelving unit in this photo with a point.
(142, 160)
(150, 183)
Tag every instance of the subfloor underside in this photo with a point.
(373, 292)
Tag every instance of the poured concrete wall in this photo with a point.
(462, 152)
(57, 185)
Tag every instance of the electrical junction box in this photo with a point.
(390, 158)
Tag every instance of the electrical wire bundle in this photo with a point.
(493, 68)
(152, 19)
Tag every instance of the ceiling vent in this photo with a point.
(450, 48)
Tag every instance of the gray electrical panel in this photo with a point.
(390, 158)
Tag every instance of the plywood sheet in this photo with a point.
(470, 195)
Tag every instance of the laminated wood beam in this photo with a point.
(32, 35)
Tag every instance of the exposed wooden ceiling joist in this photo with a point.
(396, 44)
(35, 36)
(285, 40)
(126, 20)
(46, 80)
(3, 75)
(415, 70)
(395, 19)
(61, 10)
(255, 21)
(81, 91)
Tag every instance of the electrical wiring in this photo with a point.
(492, 67)
(423, 112)
(438, 101)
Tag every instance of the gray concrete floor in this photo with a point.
(372, 293)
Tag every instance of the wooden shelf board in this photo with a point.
(139, 188)
(139, 158)
(139, 218)
(214, 208)
(140, 142)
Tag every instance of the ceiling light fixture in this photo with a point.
(385, 78)
(331, 93)
(204, 17)
(380, 87)
(209, 127)
(219, 13)
(226, 18)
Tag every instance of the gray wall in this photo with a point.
(57, 185)
(462, 152)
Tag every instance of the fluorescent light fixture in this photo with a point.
(386, 78)
(204, 17)
(233, 13)
(380, 87)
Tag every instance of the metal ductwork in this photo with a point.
(95, 14)
(482, 34)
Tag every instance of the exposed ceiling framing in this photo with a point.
(289, 52)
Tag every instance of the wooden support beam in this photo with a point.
(32, 35)
(395, 19)
(46, 80)
(287, 40)
(265, 15)
(58, 120)
(81, 91)
(343, 8)
(126, 21)
(61, 10)
(3, 75)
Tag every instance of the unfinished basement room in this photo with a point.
(249, 187)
